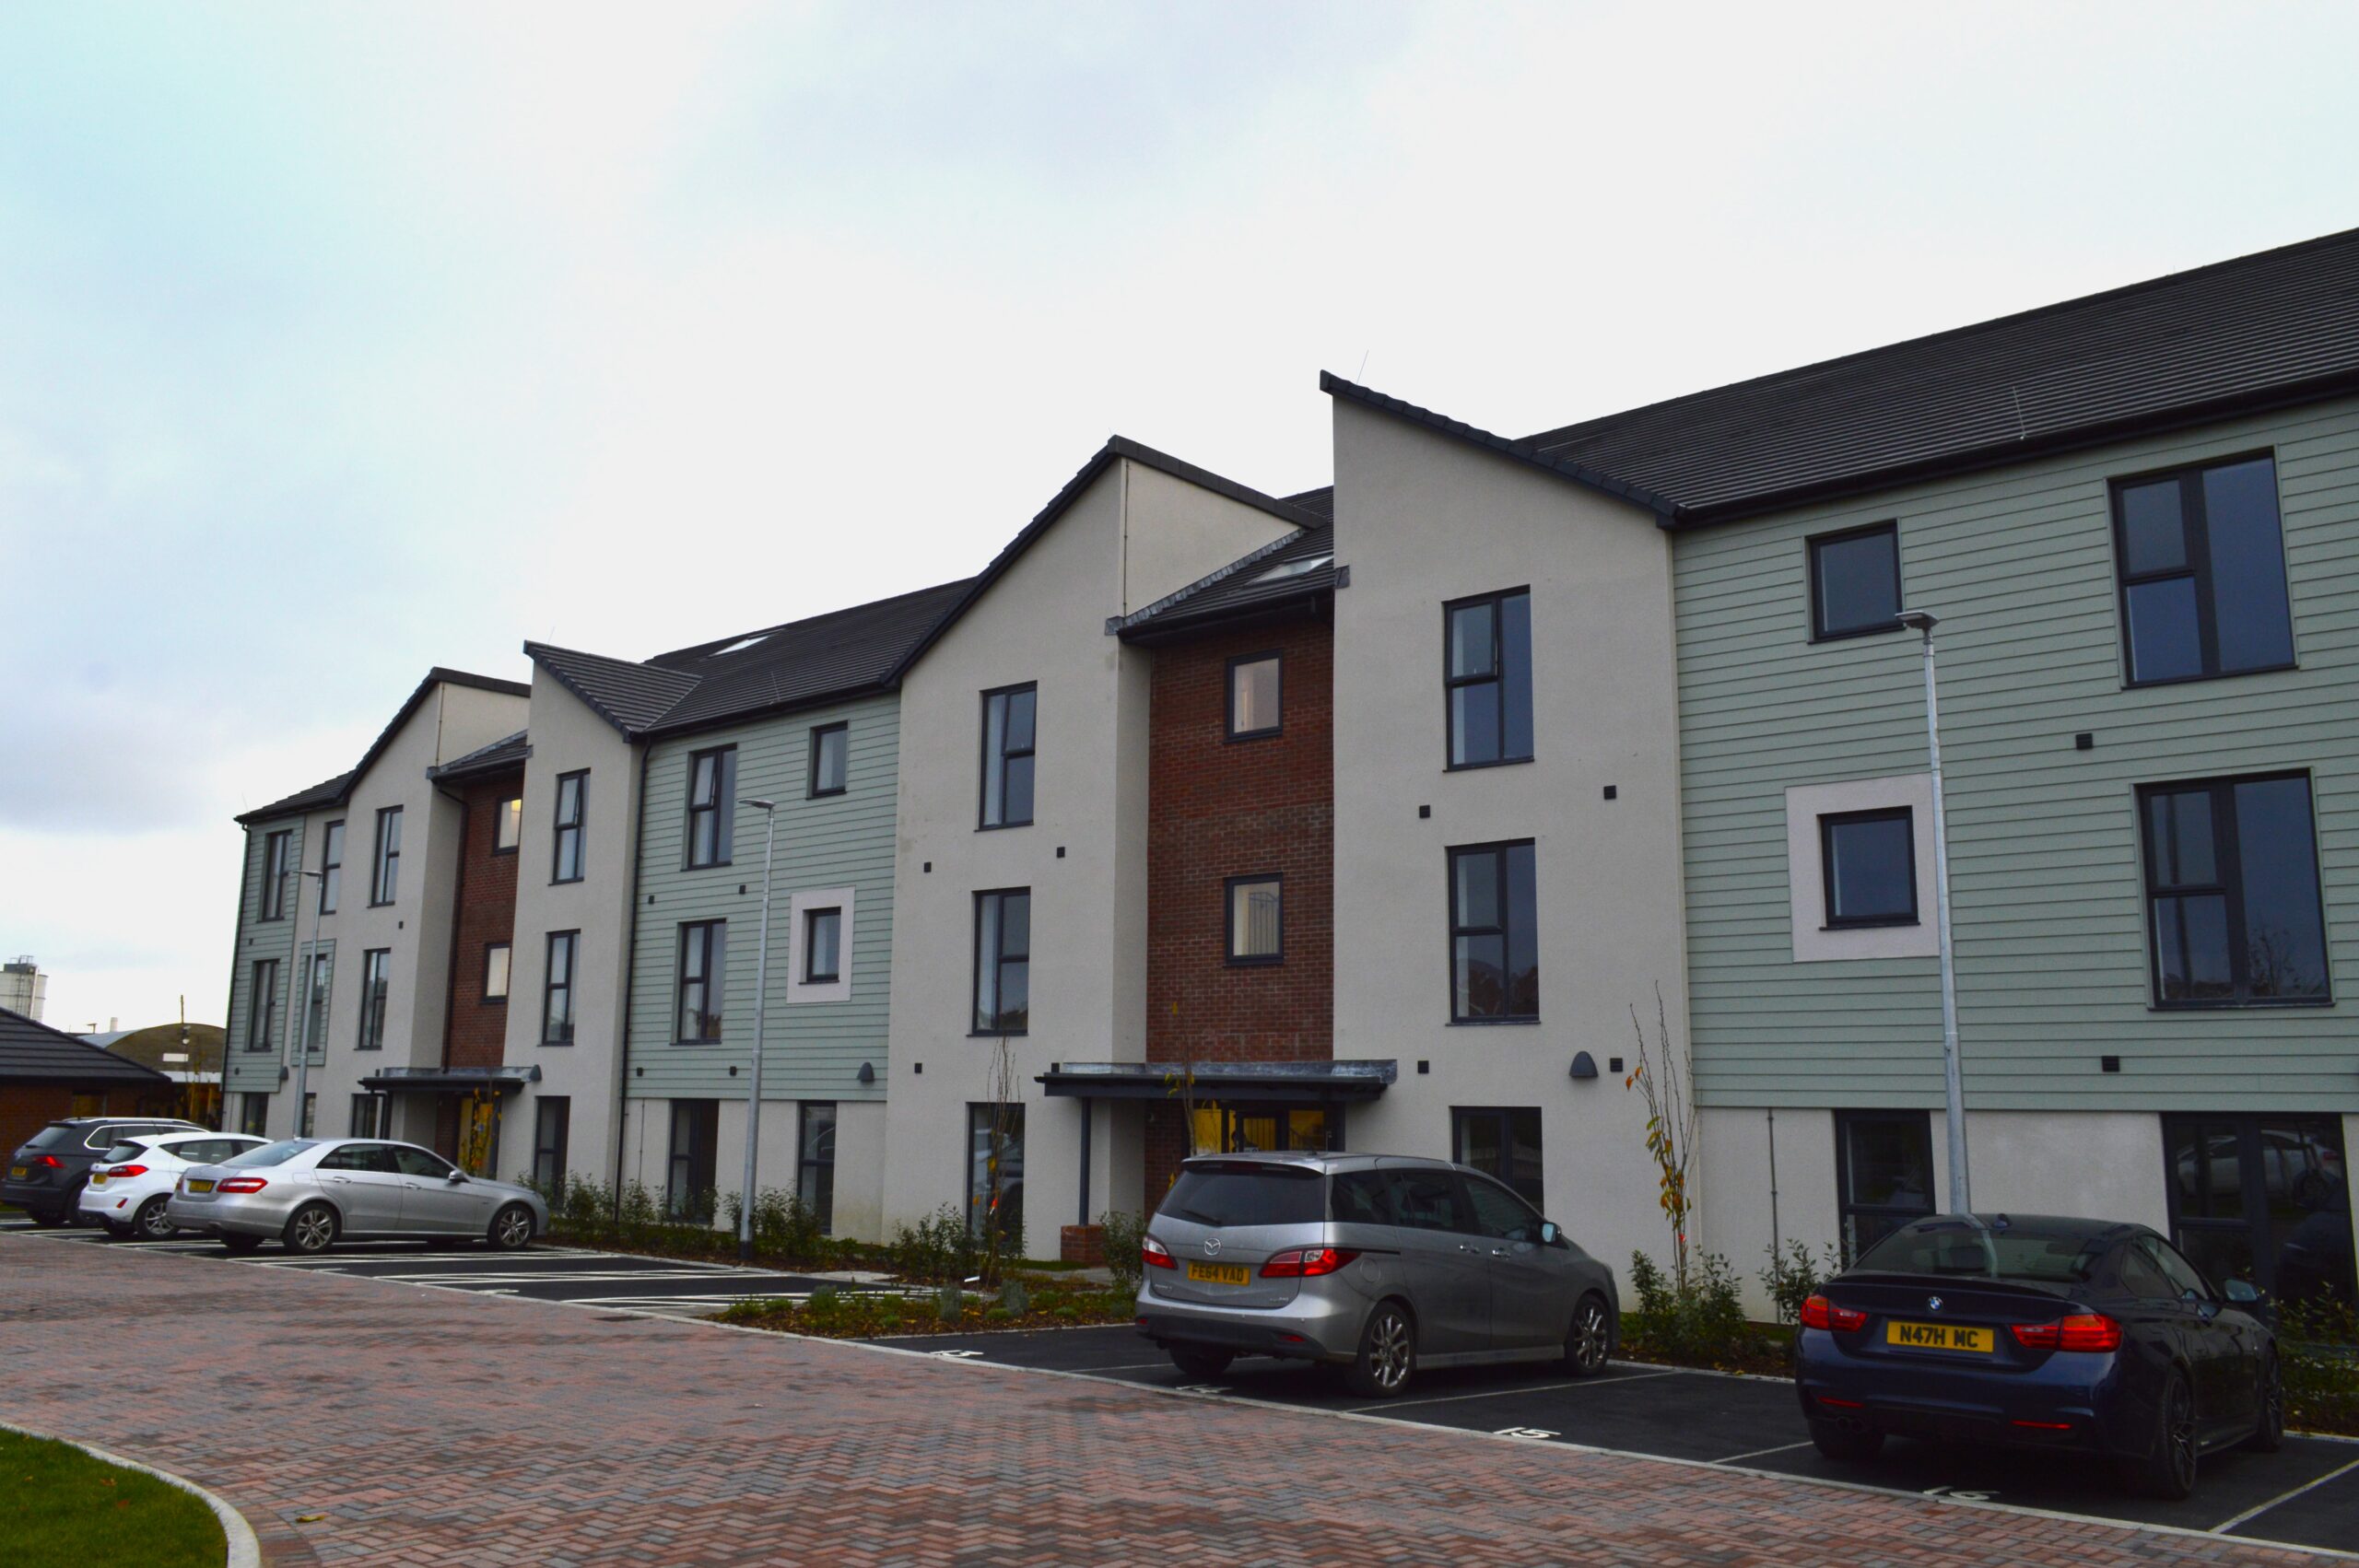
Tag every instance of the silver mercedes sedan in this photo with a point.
(312, 1192)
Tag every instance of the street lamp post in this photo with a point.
(1953, 1082)
(754, 1088)
(310, 978)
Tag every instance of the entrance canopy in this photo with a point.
(451, 1079)
(1229, 1081)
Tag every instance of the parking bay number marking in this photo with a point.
(1532, 1434)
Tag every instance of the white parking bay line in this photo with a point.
(1757, 1453)
(1501, 1393)
(2226, 1525)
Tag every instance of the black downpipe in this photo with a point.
(631, 983)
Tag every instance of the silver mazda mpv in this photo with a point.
(1378, 1263)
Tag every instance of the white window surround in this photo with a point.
(1806, 877)
(840, 989)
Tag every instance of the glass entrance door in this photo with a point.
(1265, 1128)
(2265, 1199)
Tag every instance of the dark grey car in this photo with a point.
(1378, 1263)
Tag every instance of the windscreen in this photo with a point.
(1955, 1249)
(276, 1153)
(1248, 1194)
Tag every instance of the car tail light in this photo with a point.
(48, 1161)
(1841, 1404)
(242, 1184)
(128, 1171)
(1156, 1254)
(2043, 1425)
(1307, 1262)
(2080, 1332)
(1820, 1313)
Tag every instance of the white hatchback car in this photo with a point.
(133, 1181)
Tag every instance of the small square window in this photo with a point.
(509, 827)
(1855, 582)
(1253, 696)
(1869, 861)
(828, 745)
(1256, 920)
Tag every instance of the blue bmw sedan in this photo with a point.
(2033, 1331)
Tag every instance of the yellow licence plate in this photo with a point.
(97, 1181)
(200, 1187)
(18, 1173)
(1219, 1273)
(1936, 1337)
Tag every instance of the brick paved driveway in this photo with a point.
(434, 1427)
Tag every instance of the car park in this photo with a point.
(311, 1193)
(46, 1173)
(2072, 1335)
(131, 1182)
(1379, 1264)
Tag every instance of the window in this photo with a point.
(415, 1162)
(273, 873)
(1855, 582)
(320, 969)
(311, 1116)
(995, 1172)
(376, 973)
(370, 1116)
(814, 1177)
(2232, 892)
(687, 1189)
(2203, 567)
(1494, 935)
(495, 971)
(1883, 1174)
(1256, 920)
(1487, 674)
(552, 1114)
(556, 988)
(1502, 1141)
(1428, 1199)
(330, 868)
(829, 743)
(713, 806)
(261, 1007)
(822, 949)
(1254, 681)
(1004, 961)
(1008, 722)
(1869, 860)
(254, 1115)
(573, 807)
(385, 879)
(2265, 1199)
(508, 826)
(1500, 1214)
(703, 980)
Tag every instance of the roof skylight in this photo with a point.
(742, 644)
(1295, 568)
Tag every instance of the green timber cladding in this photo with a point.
(812, 1049)
(256, 1071)
(2047, 878)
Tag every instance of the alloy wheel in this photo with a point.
(1592, 1338)
(2178, 1435)
(150, 1222)
(1389, 1349)
(514, 1229)
(313, 1230)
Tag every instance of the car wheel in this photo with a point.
(2269, 1436)
(1846, 1445)
(149, 1224)
(1388, 1355)
(1590, 1341)
(2169, 1472)
(512, 1228)
(1198, 1364)
(311, 1230)
(238, 1241)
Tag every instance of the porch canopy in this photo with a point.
(1232, 1082)
(451, 1079)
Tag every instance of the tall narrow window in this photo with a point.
(1494, 935)
(376, 973)
(1868, 860)
(1256, 920)
(273, 873)
(688, 1180)
(261, 1007)
(368, 1118)
(495, 971)
(2202, 565)
(2232, 892)
(816, 1170)
(508, 826)
(556, 993)
(552, 1116)
(385, 876)
(1502, 1141)
(1004, 961)
(1855, 582)
(572, 810)
(253, 1114)
(704, 964)
(1883, 1174)
(1487, 674)
(330, 868)
(822, 946)
(829, 758)
(320, 970)
(713, 806)
(1254, 682)
(1009, 716)
(995, 1172)
(311, 1116)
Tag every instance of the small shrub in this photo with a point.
(952, 1303)
(1123, 1234)
(2317, 1347)
(1795, 1277)
(938, 1248)
(1703, 1323)
(1014, 1299)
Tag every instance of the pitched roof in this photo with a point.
(628, 695)
(327, 792)
(31, 1052)
(335, 791)
(505, 754)
(1286, 574)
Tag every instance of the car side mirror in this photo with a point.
(2241, 1292)
(1548, 1232)
(455, 1178)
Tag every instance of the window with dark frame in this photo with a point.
(273, 873)
(1855, 582)
(1501, 1141)
(572, 810)
(508, 826)
(376, 973)
(703, 980)
(1867, 861)
(1494, 934)
(262, 1006)
(319, 969)
(2233, 910)
(1884, 1174)
(1254, 914)
(310, 1116)
(1486, 677)
(822, 946)
(713, 805)
(495, 971)
(1004, 961)
(815, 1174)
(384, 879)
(253, 1114)
(688, 1176)
(1010, 720)
(330, 868)
(1256, 695)
(552, 1118)
(1003, 1210)
(368, 1118)
(2263, 1198)
(830, 759)
(2201, 557)
(556, 988)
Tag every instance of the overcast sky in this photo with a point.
(337, 343)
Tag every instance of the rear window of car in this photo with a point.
(276, 1153)
(1954, 1248)
(1248, 1194)
(201, 1151)
(126, 1150)
(56, 1135)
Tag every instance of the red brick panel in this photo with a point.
(485, 914)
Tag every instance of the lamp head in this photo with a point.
(1917, 620)
(763, 805)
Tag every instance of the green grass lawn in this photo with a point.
(60, 1508)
